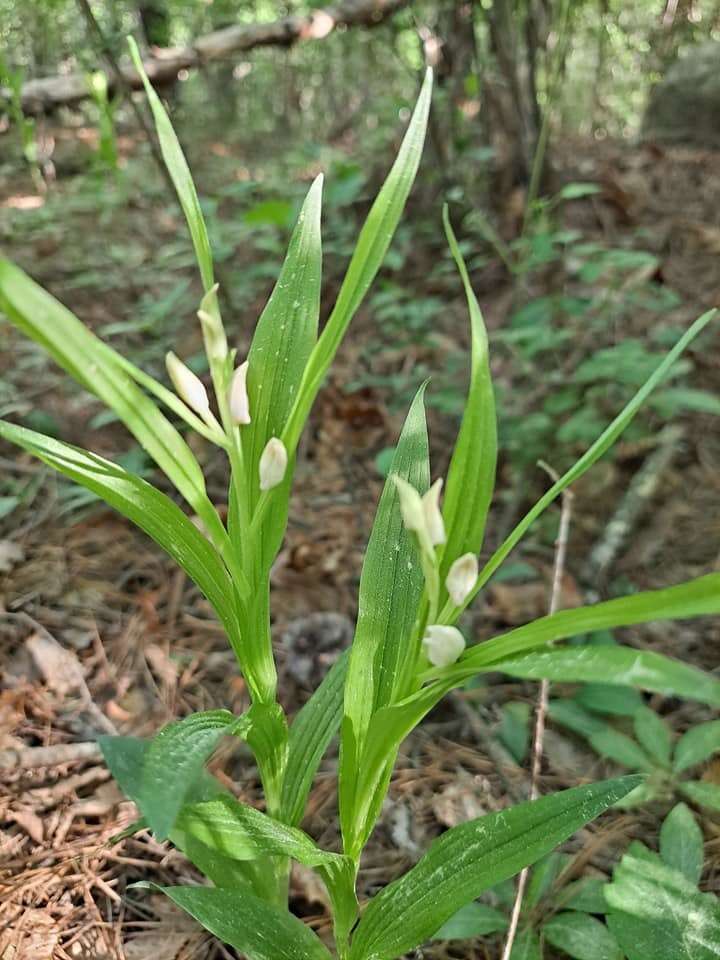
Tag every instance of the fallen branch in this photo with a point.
(39, 96)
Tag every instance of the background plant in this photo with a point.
(405, 595)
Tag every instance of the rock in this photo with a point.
(684, 107)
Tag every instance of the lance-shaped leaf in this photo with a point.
(471, 476)
(698, 744)
(372, 245)
(603, 443)
(695, 598)
(96, 367)
(145, 506)
(703, 792)
(310, 734)
(636, 668)
(654, 911)
(284, 338)
(174, 759)
(180, 174)
(469, 859)
(391, 585)
(257, 929)
(682, 842)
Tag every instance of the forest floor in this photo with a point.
(98, 633)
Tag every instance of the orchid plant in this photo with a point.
(420, 573)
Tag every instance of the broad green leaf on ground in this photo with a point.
(621, 749)
(585, 895)
(469, 859)
(252, 926)
(472, 920)
(310, 734)
(655, 912)
(571, 715)
(382, 656)
(372, 245)
(180, 174)
(703, 792)
(526, 946)
(146, 507)
(471, 475)
(174, 759)
(581, 937)
(697, 745)
(681, 842)
(653, 734)
(96, 367)
(593, 454)
(638, 668)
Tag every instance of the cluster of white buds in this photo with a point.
(443, 645)
(188, 386)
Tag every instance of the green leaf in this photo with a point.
(606, 439)
(257, 929)
(310, 734)
(620, 748)
(373, 242)
(655, 912)
(654, 735)
(697, 745)
(99, 369)
(469, 859)
(681, 842)
(582, 937)
(243, 833)
(284, 337)
(571, 715)
(585, 895)
(146, 507)
(472, 920)
(607, 698)
(514, 729)
(382, 659)
(543, 876)
(703, 793)
(174, 759)
(180, 174)
(526, 946)
(639, 668)
(694, 598)
(471, 475)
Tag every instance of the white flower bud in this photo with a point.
(212, 326)
(273, 464)
(433, 517)
(187, 385)
(461, 578)
(411, 506)
(238, 397)
(443, 645)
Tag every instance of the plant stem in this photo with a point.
(542, 706)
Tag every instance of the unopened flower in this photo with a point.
(443, 645)
(212, 326)
(433, 517)
(187, 385)
(411, 506)
(461, 578)
(273, 464)
(238, 397)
